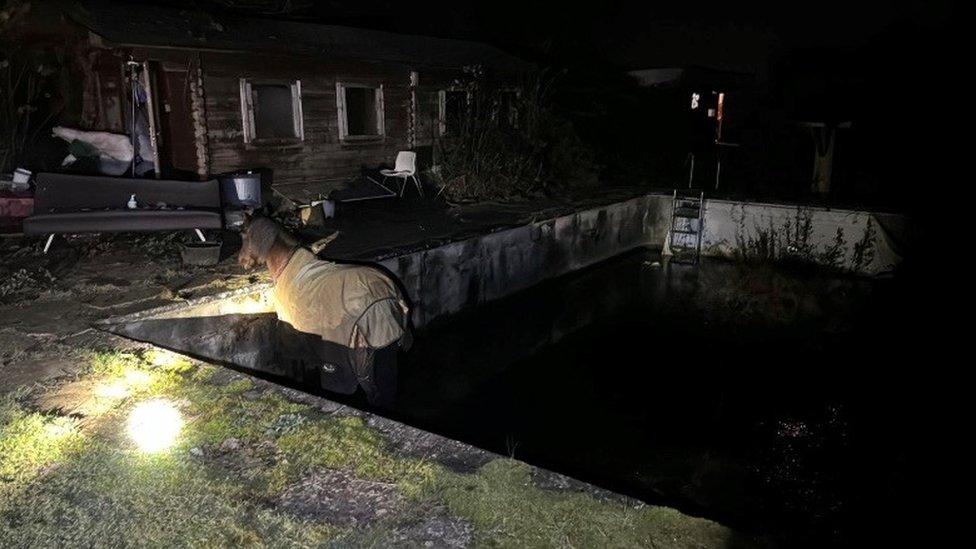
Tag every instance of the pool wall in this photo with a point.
(446, 279)
(858, 242)
(449, 278)
(465, 273)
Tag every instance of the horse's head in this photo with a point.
(257, 238)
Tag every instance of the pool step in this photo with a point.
(687, 218)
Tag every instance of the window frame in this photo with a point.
(343, 115)
(247, 112)
(442, 107)
(497, 107)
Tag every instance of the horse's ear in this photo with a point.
(246, 223)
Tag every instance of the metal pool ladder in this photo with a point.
(687, 225)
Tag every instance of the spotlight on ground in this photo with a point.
(154, 425)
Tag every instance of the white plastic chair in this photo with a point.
(406, 168)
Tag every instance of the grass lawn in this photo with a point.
(150, 449)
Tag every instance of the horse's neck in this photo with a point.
(278, 257)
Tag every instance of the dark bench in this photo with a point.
(67, 203)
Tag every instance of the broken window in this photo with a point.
(272, 111)
(453, 108)
(360, 111)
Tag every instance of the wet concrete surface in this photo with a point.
(379, 229)
(340, 497)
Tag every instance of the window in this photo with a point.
(452, 110)
(360, 111)
(272, 111)
(508, 108)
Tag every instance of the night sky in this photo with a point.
(726, 35)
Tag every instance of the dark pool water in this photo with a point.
(764, 398)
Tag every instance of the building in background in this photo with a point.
(312, 104)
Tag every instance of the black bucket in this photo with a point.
(201, 254)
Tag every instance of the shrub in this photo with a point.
(510, 145)
(30, 90)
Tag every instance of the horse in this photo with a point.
(355, 316)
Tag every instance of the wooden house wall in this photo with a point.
(321, 160)
(321, 156)
(213, 142)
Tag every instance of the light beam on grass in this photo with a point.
(58, 428)
(114, 391)
(137, 379)
(165, 359)
(154, 425)
(130, 382)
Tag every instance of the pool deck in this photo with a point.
(378, 229)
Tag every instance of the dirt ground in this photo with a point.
(251, 462)
(49, 302)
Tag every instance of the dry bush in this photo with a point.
(505, 153)
(29, 89)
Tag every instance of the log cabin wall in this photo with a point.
(321, 159)
(209, 83)
(195, 70)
